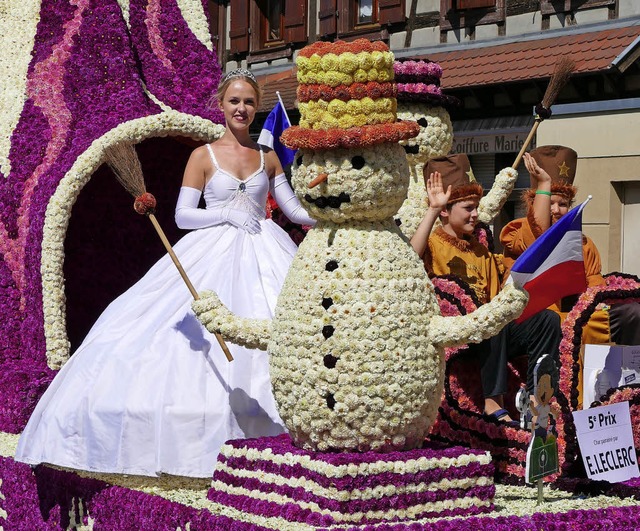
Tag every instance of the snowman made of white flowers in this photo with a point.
(420, 98)
(356, 344)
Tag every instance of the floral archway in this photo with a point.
(78, 76)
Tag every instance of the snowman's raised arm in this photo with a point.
(491, 204)
(481, 324)
(216, 317)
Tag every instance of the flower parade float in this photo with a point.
(356, 345)
(77, 77)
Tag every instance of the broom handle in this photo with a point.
(184, 276)
(526, 143)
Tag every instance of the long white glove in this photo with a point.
(189, 216)
(288, 202)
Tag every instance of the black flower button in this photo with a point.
(330, 361)
(327, 331)
(332, 265)
(327, 302)
(331, 401)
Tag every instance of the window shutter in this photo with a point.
(327, 17)
(391, 11)
(239, 27)
(473, 4)
(295, 21)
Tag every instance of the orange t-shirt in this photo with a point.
(467, 259)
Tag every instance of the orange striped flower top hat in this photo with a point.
(346, 97)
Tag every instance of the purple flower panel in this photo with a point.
(176, 66)
(102, 84)
(397, 501)
(28, 143)
(349, 482)
(50, 29)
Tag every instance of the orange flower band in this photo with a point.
(355, 91)
(359, 45)
(297, 137)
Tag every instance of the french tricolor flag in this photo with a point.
(553, 267)
(274, 125)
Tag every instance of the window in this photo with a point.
(259, 26)
(344, 17)
(456, 14)
(367, 12)
(272, 22)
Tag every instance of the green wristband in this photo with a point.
(543, 192)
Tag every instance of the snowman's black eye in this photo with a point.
(299, 160)
(357, 162)
(331, 401)
(423, 122)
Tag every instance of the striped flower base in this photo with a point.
(269, 477)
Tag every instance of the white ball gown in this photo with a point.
(149, 391)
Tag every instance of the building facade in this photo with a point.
(497, 57)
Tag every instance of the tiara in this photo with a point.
(239, 72)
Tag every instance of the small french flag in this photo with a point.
(274, 125)
(553, 267)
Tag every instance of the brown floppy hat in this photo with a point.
(560, 163)
(455, 171)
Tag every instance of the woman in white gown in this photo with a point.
(149, 391)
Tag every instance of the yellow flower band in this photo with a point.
(346, 63)
(338, 107)
(345, 121)
(333, 78)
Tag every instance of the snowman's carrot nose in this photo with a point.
(319, 179)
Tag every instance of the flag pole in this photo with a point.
(283, 107)
(584, 203)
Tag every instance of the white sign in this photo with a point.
(607, 367)
(606, 442)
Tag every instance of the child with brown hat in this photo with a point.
(452, 249)
(553, 170)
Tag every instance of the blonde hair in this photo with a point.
(239, 74)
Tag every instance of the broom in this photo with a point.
(561, 73)
(124, 162)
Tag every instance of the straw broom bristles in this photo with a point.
(123, 161)
(561, 74)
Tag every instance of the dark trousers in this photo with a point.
(538, 335)
(624, 320)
